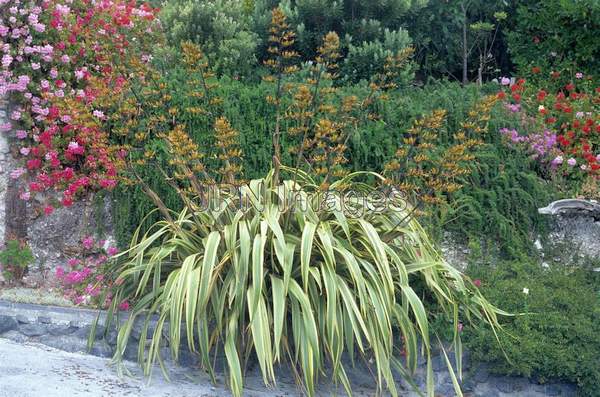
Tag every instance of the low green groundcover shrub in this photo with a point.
(559, 339)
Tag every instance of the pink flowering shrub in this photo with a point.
(82, 279)
(63, 63)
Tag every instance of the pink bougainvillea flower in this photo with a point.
(88, 242)
(17, 173)
(477, 282)
(124, 305)
(73, 262)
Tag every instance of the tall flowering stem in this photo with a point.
(424, 167)
(282, 63)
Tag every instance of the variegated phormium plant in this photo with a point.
(302, 283)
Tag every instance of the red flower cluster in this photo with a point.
(571, 112)
(79, 74)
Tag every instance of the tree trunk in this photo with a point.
(480, 70)
(465, 52)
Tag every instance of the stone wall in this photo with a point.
(5, 166)
(54, 238)
(579, 232)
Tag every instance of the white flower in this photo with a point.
(526, 291)
(99, 114)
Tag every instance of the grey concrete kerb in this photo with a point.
(59, 315)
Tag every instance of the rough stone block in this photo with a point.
(22, 319)
(44, 320)
(60, 330)
(15, 336)
(33, 329)
(101, 349)
(7, 323)
(84, 332)
(67, 343)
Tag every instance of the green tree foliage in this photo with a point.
(439, 31)
(553, 32)
(370, 29)
(234, 34)
(367, 57)
(221, 27)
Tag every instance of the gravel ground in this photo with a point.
(42, 296)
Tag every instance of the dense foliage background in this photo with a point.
(453, 39)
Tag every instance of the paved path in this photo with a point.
(34, 370)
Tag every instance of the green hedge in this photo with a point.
(498, 201)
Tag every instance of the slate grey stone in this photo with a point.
(553, 390)
(138, 326)
(187, 358)
(359, 375)
(446, 389)
(22, 319)
(468, 385)
(438, 363)
(15, 336)
(466, 360)
(481, 375)
(84, 332)
(68, 343)
(33, 329)
(519, 384)
(111, 337)
(44, 320)
(7, 323)
(131, 351)
(487, 393)
(504, 384)
(101, 349)
(60, 330)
